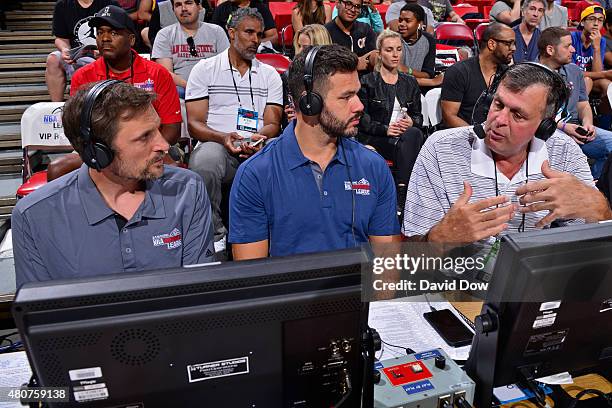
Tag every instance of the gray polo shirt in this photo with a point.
(66, 230)
(574, 78)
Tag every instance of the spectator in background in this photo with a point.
(140, 11)
(465, 82)
(506, 11)
(70, 28)
(556, 53)
(394, 10)
(527, 32)
(369, 15)
(554, 16)
(442, 10)
(419, 47)
(308, 12)
(313, 34)
(392, 117)
(116, 35)
(232, 101)
(354, 35)
(180, 46)
(163, 16)
(224, 11)
(590, 50)
(608, 37)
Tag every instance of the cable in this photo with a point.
(461, 402)
(348, 172)
(592, 391)
(349, 389)
(408, 349)
(433, 309)
(12, 347)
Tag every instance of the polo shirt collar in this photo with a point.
(482, 160)
(224, 56)
(293, 153)
(97, 210)
(138, 65)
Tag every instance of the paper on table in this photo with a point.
(401, 323)
(14, 371)
(557, 379)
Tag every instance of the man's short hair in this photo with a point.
(195, 1)
(527, 3)
(492, 31)
(609, 16)
(330, 59)
(241, 13)
(416, 9)
(551, 36)
(521, 76)
(117, 102)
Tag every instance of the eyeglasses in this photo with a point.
(600, 20)
(350, 5)
(192, 48)
(507, 43)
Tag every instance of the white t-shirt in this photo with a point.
(171, 42)
(212, 79)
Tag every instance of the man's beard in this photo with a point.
(125, 170)
(334, 127)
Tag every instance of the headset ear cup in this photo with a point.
(311, 104)
(104, 154)
(546, 129)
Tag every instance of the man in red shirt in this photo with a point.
(115, 37)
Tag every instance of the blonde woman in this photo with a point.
(312, 34)
(392, 108)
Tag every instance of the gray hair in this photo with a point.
(243, 12)
(521, 76)
(527, 3)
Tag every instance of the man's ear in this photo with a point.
(231, 32)
(132, 40)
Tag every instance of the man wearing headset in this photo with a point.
(468, 182)
(313, 188)
(122, 210)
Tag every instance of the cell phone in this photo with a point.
(449, 327)
(582, 131)
(257, 143)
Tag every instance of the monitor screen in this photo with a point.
(548, 308)
(279, 332)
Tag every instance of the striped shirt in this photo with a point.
(211, 79)
(451, 156)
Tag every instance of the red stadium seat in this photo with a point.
(37, 180)
(286, 35)
(478, 32)
(278, 61)
(454, 32)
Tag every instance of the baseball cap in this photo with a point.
(113, 16)
(592, 10)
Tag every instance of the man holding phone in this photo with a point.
(556, 49)
(234, 102)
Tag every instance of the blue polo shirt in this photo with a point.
(523, 51)
(275, 196)
(583, 57)
(66, 230)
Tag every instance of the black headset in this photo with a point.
(96, 154)
(548, 125)
(311, 103)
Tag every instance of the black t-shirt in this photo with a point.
(223, 12)
(70, 20)
(361, 41)
(463, 82)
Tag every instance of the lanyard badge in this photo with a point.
(247, 120)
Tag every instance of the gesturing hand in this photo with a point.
(466, 223)
(563, 196)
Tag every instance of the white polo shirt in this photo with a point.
(212, 79)
(451, 156)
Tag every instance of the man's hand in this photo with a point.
(564, 196)
(247, 149)
(228, 143)
(467, 223)
(405, 123)
(570, 130)
(66, 56)
(595, 37)
(290, 112)
(367, 61)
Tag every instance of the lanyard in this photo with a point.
(236, 88)
(521, 227)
